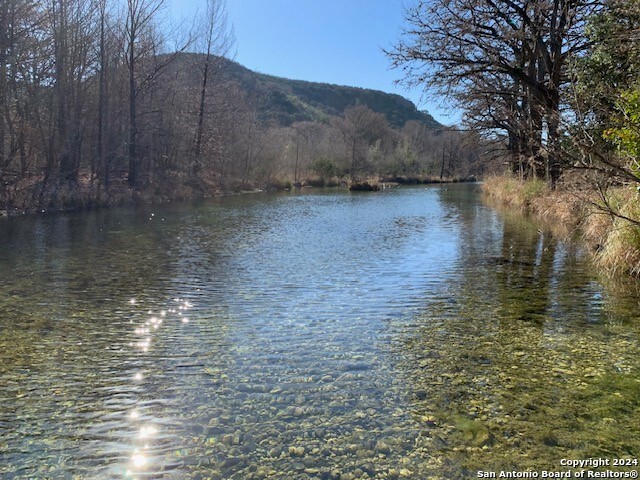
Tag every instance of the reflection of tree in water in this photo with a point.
(69, 257)
(509, 365)
(524, 272)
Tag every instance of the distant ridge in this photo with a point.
(283, 101)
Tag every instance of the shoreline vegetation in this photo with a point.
(604, 222)
(85, 195)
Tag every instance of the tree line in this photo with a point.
(83, 95)
(105, 100)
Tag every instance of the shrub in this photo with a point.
(324, 168)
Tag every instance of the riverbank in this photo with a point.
(607, 224)
(31, 197)
(34, 196)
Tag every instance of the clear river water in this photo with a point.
(411, 333)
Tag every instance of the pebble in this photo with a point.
(298, 466)
(296, 451)
(383, 447)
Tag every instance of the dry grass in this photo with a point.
(510, 191)
(595, 228)
(560, 209)
(620, 250)
(615, 241)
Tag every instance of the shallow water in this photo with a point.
(411, 333)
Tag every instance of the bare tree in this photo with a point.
(360, 127)
(139, 43)
(145, 62)
(4, 54)
(303, 132)
(102, 93)
(218, 39)
(73, 25)
(140, 14)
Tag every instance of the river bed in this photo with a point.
(410, 333)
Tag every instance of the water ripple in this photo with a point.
(291, 336)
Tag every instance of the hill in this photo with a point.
(284, 101)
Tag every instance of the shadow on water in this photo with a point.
(414, 333)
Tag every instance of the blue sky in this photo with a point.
(333, 41)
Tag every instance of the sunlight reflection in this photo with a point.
(147, 431)
(144, 331)
(185, 306)
(155, 322)
(138, 459)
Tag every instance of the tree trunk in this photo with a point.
(3, 105)
(197, 162)
(133, 159)
(442, 165)
(4, 47)
(353, 158)
(295, 167)
(102, 167)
